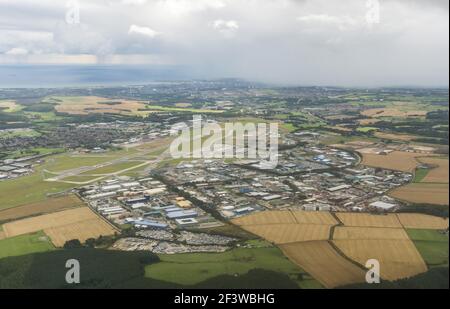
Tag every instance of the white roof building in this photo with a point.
(382, 205)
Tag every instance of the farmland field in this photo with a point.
(421, 221)
(266, 217)
(9, 106)
(322, 261)
(395, 137)
(393, 112)
(97, 105)
(440, 173)
(82, 231)
(287, 217)
(362, 233)
(369, 220)
(79, 223)
(339, 259)
(288, 233)
(305, 217)
(432, 245)
(397, 160)
(420, 174)
(423, 193)
(50, 205)
(180, 109)
(189, 269)
(398, 258)
(25, 244)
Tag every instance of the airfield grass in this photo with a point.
(81, 179)
(69, 161)
(33, 188)
(33, 152)
(113, 168)
(190, 269)
(432, 245)
(28, 189)
(25, 244)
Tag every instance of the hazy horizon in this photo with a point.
(351, 43)
(102, 75)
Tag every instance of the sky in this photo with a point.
(299, 42)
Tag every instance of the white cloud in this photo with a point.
(227, 28)
(146, 31)
(292, 41)
(17, 51)
(186, 7)
(342, 22)
(134, 2)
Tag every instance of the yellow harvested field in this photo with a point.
(369, 220)
(422, 221)
(396, 160)
(423, 193)
(288, 233)
(322, 261)
(68, 220)
(395, 137)
(48, 206)
(9, 106)
(2, 235)
(266, 217)
(366, 233)
(341, 261)
(365, 122)
(392, 112)
(398, 258)
(183, 105)
(439, 174)
(82, 231)
(97, 105)
(314, 217)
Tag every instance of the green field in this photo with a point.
(332, 139)
(289, 127)
(420, 174)
(366, 129)
(432, 245)
(25, 244)
(190, 269)
(18, 133)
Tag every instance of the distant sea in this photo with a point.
(53, 76)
